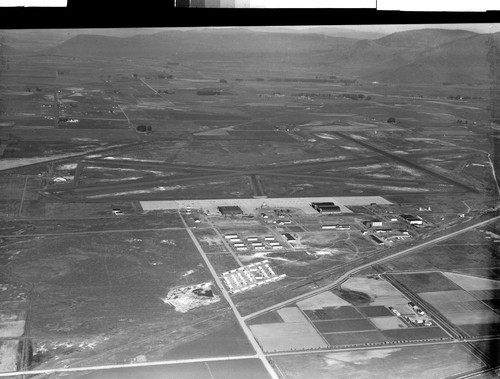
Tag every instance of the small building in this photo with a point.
(383, 230)
(230, 210)
(269, 238)
(277, 247)
(234, 239)
(336, 226)
(256, 243)
(372, 223)
(326, 207)
(229, 236)
(252, 239)
(239, 244)
(274, 243)
(288, 237)
(412, 220)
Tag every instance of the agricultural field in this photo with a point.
(415, 362)
(343, 323)
(452, 295)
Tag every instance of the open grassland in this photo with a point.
(105, 290)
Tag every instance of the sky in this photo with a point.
(387, 29)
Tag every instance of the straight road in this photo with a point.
(352, 271)
(126, 365)
(244, 327)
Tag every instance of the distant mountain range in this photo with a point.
(416, 56)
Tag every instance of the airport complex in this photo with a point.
(250, 203)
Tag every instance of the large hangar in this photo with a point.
(249, 206)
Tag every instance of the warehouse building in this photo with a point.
(230, 210)
(377, 240)
(326, 207)
(412, 220)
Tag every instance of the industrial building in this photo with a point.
(377, 240)
(326, 207)
(337, 227)
(412, 220)
(372, 223)
(230, 210)
(288, 237)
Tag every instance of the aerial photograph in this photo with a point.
(250, 202)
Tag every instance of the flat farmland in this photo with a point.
(482, 317)
(354, 338)
(415, 334)
(474, 283)
(416, 362)
(452, 295)
(375, 311)
(461, 256)
(388, 323)
(332, 313)
(246, 368)
(490, 328)
(427, 282)
(8, 355)
(287, 336)
(338, 326)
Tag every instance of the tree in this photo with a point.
(391, 120)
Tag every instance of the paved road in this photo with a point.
(126, 365)
(407, 162)
(257, 188)
(246, 330)
(349, 273)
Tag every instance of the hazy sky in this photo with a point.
(386, 29)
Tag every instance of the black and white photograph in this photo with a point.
(250, 201)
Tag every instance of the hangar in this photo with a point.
(326, 207)
(230, 210)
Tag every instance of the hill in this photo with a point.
(9, 50)
(196, 42)
(424, 38)
(417, 56)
